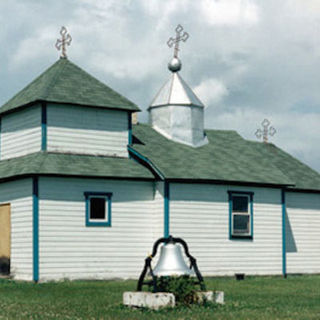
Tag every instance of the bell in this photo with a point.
(171, 262)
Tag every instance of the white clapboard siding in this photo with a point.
(303, 232)
(19, 194)
(158, 210)
(199, 214)
(69, 249)
(21, 132)
(87, 130)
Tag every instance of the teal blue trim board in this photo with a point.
(0, 135)
(35, 201)
(89, 196)
(43, 126)
(230, 214)
(284, 244)
(166, 209)
(139, 157)
(129, 128)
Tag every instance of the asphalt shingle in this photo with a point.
(227, 157)
(65, 82)
(45, 163)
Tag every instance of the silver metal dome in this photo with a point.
(175, 65)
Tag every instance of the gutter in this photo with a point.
(147, 162)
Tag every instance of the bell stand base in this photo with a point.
(147, 265)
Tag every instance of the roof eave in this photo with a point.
(175, 104)
(31, 175)
(302, 190)
(28, 104)
(231, 182)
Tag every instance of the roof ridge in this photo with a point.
(65, 82)
(53, 82)
(188, 90)
(101, 83)
(158, 92)
(171, 86)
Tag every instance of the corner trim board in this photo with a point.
(129, 128)
(284, 244)
(35, 204)
(43, 126)
(0, 136)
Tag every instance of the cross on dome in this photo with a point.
(175, 64)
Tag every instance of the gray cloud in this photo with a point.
(246, 59)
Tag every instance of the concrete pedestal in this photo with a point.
(149, 300)
(210, 296)
(159, 300)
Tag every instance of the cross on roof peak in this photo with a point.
(266, 131)
(63, 42)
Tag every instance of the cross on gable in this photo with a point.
(65, 40)
(175, 41)
(265, 131)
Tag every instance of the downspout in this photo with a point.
(284, 245)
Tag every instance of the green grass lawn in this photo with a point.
(297, 297)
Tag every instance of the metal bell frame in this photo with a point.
(148, 267)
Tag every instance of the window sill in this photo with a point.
(241, 237)
(98, 224)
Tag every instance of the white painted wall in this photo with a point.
(69, 249)
(199, 213)
(21, 132)
(19, 194)
(87, 130)
(158, 228)
(303, 232)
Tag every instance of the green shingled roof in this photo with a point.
(64, 82)
(304, 177)
(73, 165)
(227, 157)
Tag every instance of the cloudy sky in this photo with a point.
(246, 60)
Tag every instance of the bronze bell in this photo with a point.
(171, 262)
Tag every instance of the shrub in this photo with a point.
(183, 287)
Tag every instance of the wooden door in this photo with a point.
(5, 235)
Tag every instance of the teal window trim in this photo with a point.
(35, 201)
(0, 135)
(107, 196)
(249, 194)
(129, 128)
(166, 209)
(284, 244)
(43, 126)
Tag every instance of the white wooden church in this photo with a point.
(85, 191)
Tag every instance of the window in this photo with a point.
(98, 209)
(240, 214)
